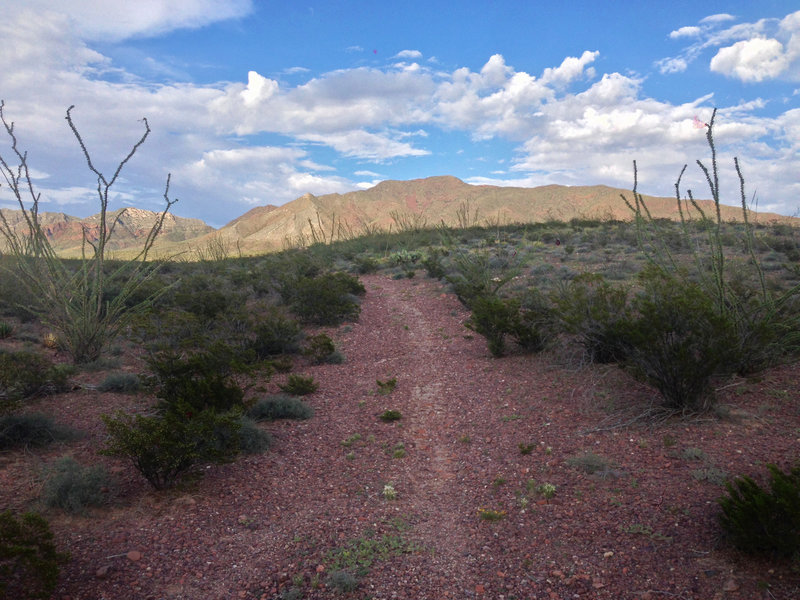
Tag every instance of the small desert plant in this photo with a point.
(590, 462)
(494, 318)
(343, 582)
(73, 488)
(386, 387)
(31, 429)
(6, 329)
(29, 561)
(165, 447)
(491, 514)
(547, 490)
(299, 385)
(252, 440)
(120, 382)
(389, 492)
(320, 348)
(763, 521)
(388, 416)
(280, 406)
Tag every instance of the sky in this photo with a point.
(256, 102)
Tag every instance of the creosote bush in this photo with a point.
(25, 375)
(328, 299)
(165, 447)
(29, 560)
(299, 385)
(276, 333)
(761, 521)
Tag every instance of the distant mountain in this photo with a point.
(66, 233)
(431, 201)
(390, 205)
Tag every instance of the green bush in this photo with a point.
(299, 385)
(31, 430)
(390, 415)
(203, 296)
(343, 582)
(165, 447)
(677, 342)
(758, 521)
(328, 299)
(73, 488)
(493, 318)
(252, 440)
(320, 348)
(25, 375)
(201, 380)
(275, 334)
(6, 330)
(29, 561)
(594, 310)
(280, 406)
(120, 382)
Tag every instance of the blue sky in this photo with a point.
(258, 102)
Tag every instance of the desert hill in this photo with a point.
(431, 201)
(66, 233)
(389, 206)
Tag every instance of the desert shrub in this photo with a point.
(280, 406)
(120, 382)
(25, 375)
(495, 318)
(29, 561)
(761, 521)
(343, 582)
(677, 341)
(534, 326)
(276, 333)
(319, 348)
(390, 415)
(593, 310)
(299, 385)
(73, 488)
(200, 380)
(328, 299)
(32, 430)
(252, 440)
(6, 330)
(432, 263)
(366, 264)
(165, 447)
(473, 277)
(203, 296)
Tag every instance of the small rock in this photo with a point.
(608, 554)
(730, 585)
(102, 572)
(134, 555)
(320, 568)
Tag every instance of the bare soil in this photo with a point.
(477, 433)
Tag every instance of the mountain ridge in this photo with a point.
(390, 205)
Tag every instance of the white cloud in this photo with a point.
(413, 54)
(752, 52)
(120, 19)
(718, 18)
(751, 60)
(685, 32)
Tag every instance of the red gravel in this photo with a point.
(645, 527)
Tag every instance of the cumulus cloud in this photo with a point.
(751, 52)
(751, 60)
(257, 141)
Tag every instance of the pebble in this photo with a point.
(102, 572)
(134, 555)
